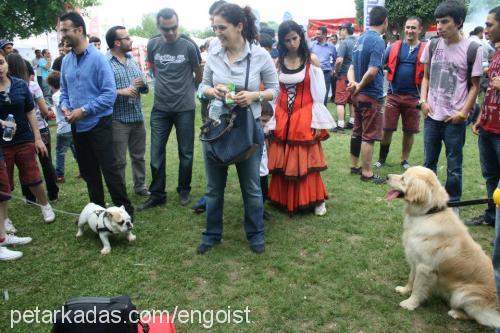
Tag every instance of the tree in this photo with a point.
(25, 18)
(202, 34)
(147, 29)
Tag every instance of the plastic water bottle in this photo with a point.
(8, 131)
(216, 110)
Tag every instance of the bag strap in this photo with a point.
(471, 58)
(145, 327)
(229, 126)
(248, 67)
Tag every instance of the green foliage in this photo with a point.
(399, 11)
(270, 24)
(208, 32)
(147, 29)
(25, 18)
(359, 11)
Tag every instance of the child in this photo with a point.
(64, 136)
(266, 115)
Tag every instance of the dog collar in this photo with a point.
(435, 210)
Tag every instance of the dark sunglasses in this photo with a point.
(4, 97)
(168, 29)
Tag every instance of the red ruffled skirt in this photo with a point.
(296, 182)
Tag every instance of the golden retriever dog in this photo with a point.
(443, 257)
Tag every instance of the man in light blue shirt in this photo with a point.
(326, 53)
(88, 93)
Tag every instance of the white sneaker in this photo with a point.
(14, 240)
(6, 254)
(9, 226)
(48, 214)
(320, 209)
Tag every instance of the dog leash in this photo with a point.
(470, 202)
(37, 204)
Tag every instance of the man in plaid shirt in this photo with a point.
(128, 120)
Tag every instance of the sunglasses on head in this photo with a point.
(168, 29)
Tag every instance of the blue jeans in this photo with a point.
(453, 136)
(489, 155)
(496, 252)
(63, 142)
(248, 175)
(161, 126)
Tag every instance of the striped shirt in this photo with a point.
(125, 109)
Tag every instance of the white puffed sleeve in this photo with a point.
(271, 124)
(321, 117)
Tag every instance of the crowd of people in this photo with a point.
(285, 82)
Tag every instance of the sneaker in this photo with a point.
(200, 206)
(144, 192)
(184, 198)
(48, 214)
(258, 249)
(60, 179)
(9, 227)
(349, 126)
(333, 130)
(340, 130)
(478, 220)
(405, 164)
(355, 171)
(151, 202)
(320, 209)
(379, 164)
(377, 180)
(14, 240)
(203, 248)
(6, 254)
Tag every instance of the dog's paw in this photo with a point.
(105, 250)
(79, 233)
(402, 290)
(458, 314)
(409, 304)
(131, 237)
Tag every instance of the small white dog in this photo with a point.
(105, 222)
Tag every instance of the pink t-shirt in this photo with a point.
(448, 77)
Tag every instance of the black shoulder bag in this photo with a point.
(98, 315)
(235, 137)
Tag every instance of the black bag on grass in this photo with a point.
(98, 315)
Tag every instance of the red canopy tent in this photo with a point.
(331, 24)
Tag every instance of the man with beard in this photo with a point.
(128, 120)
(88, 92)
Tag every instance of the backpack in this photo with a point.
(471, 57)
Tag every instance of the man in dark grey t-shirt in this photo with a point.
(173, 60)
(344, 60)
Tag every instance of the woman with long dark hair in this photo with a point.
(301, 123)
(226, 66)
(27, 142)
(18, 69)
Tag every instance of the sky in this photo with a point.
(193, 15)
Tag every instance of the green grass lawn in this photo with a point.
(335, 273)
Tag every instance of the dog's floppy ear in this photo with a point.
(417, 190)
(114, 216)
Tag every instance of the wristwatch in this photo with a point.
(420, 102)
(85, 113)
(261, 97)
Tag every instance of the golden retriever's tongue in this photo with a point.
(391, 195)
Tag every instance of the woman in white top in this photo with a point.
(227, 63)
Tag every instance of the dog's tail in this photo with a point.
(485, 316)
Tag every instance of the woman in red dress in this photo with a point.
(300, 123)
